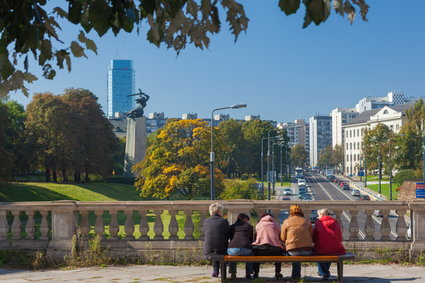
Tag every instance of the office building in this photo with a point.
(340, 116)
(320, 136)
(377, 102)
(120, 85)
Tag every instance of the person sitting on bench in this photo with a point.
(297, 236)
(216, 234)
(241, 237)
(327, 238)
(267, 242)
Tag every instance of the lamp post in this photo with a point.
(281, 176)
(212, 155)
(262, 165)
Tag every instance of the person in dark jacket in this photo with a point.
(327, 238)
(241, 237)
(216, 230)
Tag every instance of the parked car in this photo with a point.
(355, 193)
(342, 183)
(346, 187)
(364, 197)
(377, 213)
(287, 191)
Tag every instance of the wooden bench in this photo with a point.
(338, 259)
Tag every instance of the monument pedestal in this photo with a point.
(135, 146)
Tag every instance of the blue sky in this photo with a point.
(281, 71)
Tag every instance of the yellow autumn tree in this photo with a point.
(177, 162)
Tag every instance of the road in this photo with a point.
(322, 189)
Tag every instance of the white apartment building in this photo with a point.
(189, 116)
(376, 102)
(252, 117)
(298, 132)
(320, 136)
(340, 116)
(392, 116)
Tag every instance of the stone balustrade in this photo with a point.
(173, 230)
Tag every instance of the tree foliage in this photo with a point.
(31, 27)
(70, 133)
(6, 155)
(299, 155)
(406, 175)
(378, 147)
(331, 157)
(177, 162)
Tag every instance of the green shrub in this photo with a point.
(405, 175)
(240, 189)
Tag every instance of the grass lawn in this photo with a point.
(40, 191)
(385, 190)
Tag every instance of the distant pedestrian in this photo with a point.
(216, 230)
(267, 242)
(297, 236)
(241, 237)
(327, 238)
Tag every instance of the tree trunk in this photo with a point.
(55, 175)
(47, 174)
(64, 177)
(86, 177)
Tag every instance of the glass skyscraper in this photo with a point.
(120, 85)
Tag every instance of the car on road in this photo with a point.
(287, 192)
(336, 180)
(302, 182)
(377, 213)
(346, 187)
(355, 193)
(308, 197)
(285, 198)
(364, 197)
(342, 183)
(313, 216)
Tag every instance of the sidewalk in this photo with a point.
(201, 274)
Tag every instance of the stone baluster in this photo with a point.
(385, 226)
(369, 226)
(113, 227)
(99, 228)
(44, 227)
(129, 225)
(144, 227)
(16, 225)
(84, 226)
(4, 226)
(338, 214)
(401, 227)
(203, 215)
(173, 228)
(188, 225)
(30, 227)
(276, 212)
(354, 225)
(158, 226)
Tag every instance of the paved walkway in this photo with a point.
(201, 274)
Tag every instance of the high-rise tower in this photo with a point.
(120, 84)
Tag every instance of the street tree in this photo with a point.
(33, 27)
(177, 162)
(378, 143)
(299, 155)
(410, 140)
(6, 155)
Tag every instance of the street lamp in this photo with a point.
(212, 156)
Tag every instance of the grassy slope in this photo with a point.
(385, 190)
(83, 192)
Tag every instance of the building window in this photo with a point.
(351, 147)
(397, 127)
(358, 132)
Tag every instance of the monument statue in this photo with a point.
(141, 100)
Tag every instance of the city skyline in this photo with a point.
(281, 71)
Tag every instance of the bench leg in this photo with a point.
(340, 268)
(223, 271)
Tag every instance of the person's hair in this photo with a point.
(215, 208)
(323, 211)
(242, 217)
(295, 210)
(265, 214)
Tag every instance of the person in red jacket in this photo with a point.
(327, 239)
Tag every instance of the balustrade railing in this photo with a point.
(183, 220)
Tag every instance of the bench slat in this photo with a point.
(281, 258)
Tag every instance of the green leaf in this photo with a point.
(46, 49)
(289, 6)
(100, 13)
(307, 20)
(6, 68)
(60, 12)
(77, 50)
(318, 10)
(74, 11)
